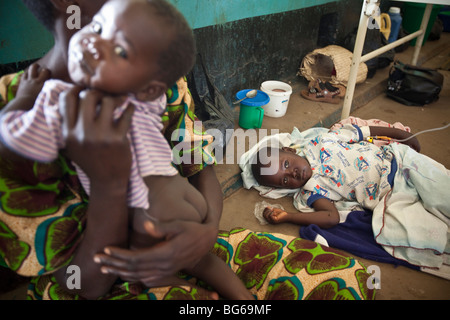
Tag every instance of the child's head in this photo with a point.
(135, 46)
(287, 169)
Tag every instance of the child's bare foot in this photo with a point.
(275, 215)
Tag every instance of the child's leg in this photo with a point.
(174, 198)
(217, 274)
(171, 198)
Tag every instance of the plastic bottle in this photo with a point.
(385, 25)
(396, 22)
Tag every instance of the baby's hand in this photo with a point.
(32, 81)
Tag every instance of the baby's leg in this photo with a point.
(217, 274)
(174, 198)
(139, 238)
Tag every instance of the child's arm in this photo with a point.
(325, 215)
(397, 134)
(30, 85)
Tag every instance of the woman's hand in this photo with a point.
(94, 140)
(184, 244)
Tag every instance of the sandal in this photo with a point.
(326, 92)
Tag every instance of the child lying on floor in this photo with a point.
(113, 55)
(339, 165)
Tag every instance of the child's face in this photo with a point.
(293, 171)
(118, 51)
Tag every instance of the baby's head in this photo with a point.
(140, 47)
(280, 168)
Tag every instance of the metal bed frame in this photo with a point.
(369, 9)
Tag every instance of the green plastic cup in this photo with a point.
(251, 114)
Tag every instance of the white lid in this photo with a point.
(394, 10)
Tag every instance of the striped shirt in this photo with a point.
(37, 134)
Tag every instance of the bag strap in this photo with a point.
(218, 104)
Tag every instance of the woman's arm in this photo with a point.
(99, 146)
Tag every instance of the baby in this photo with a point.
(136, 49)
(339, 165)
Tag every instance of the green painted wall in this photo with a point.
(203, 13)
(23, 38)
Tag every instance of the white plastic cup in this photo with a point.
(279, 93)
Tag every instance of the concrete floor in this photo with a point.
(369, 102)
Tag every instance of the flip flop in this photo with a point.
(336, 88)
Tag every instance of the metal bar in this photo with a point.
(356, 59)
(359, 44)
(423, 28)
(390, 46)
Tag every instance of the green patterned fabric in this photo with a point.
(272, 266)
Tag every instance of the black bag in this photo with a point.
(414, 86)
(374, 40)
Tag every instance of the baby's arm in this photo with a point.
(325, 215)
(30, 85)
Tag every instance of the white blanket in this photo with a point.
(412, 221)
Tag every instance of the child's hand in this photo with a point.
(32, 81)
(274, 215)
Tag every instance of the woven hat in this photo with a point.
(331, 63)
